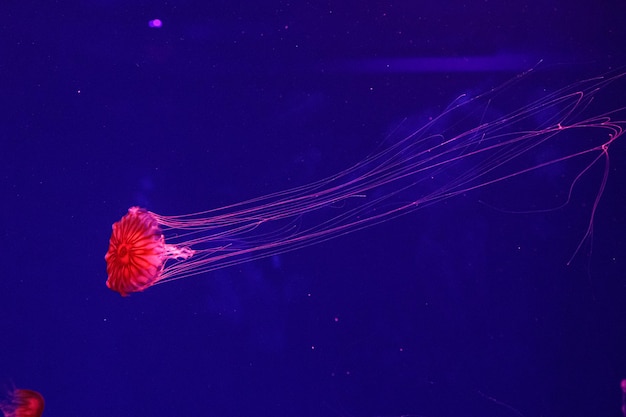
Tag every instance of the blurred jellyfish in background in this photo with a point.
(18, 402)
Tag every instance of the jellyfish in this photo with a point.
(466, 147)
(22, 403)
(623, 387)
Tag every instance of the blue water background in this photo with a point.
(465, 308)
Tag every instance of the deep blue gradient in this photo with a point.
(465, 308)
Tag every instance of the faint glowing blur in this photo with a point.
(155, 23)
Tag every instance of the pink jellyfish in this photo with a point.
(456, 152)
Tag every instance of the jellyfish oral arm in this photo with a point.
(179, 253)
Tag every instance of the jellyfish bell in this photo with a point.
(458, 151)
(138, 252)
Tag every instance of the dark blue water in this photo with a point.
(464, 308)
